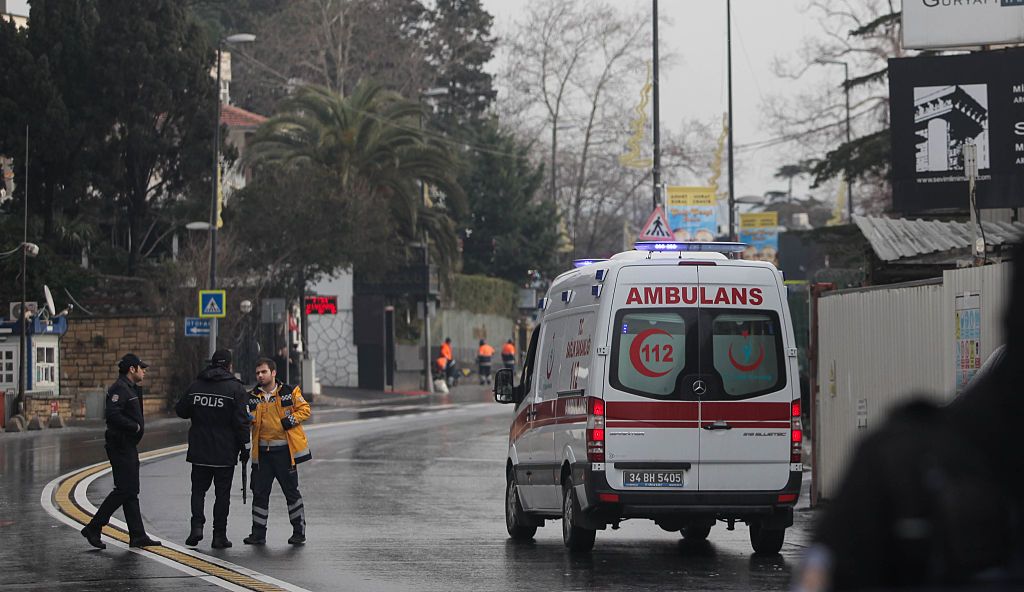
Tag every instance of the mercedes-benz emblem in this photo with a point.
(699, 387)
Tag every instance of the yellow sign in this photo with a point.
(689, 196)
(632, 159)
(759, 220)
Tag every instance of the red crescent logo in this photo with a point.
(551, 363)
(634, 353)
(747, 367)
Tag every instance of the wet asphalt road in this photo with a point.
(393, 502)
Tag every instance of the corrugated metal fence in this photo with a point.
(880, 346)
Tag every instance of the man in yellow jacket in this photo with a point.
(278, 445)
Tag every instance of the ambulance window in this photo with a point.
(650, 352)
(526, 378)
(748, 353)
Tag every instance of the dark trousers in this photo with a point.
(276, 464)
(124, 462)
(221, 478)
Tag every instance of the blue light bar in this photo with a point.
(585, 262)
(674, 247)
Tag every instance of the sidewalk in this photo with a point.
(355, 397)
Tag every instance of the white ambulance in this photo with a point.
(659, 384)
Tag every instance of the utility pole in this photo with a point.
(22, 357)
(215, 202)
(657, 114)
(732, 168)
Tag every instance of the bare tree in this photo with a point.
(864, 34)
(572, 74)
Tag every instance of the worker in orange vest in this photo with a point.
(508, 355)
(483, 358)
(449, 369)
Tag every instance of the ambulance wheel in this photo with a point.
(766, 541)
(519, 525)
(696, 532)
(575, 537)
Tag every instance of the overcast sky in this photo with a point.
(762, 30)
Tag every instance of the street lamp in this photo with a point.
(229, 40)
(430, 93)
(846, 89)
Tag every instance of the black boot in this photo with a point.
(255, 539)
(195, 535)
(93, 536)
(220, 541)
(298, 538)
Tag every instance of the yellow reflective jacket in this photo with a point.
(290, 408)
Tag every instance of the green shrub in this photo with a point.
(484, 295)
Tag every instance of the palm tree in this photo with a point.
(369, 141)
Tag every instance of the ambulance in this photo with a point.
(659, 384)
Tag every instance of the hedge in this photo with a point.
(485, 295)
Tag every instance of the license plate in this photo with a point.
(652, 478)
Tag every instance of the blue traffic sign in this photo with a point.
(196, 327)
(211, 304)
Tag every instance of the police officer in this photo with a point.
(218, 437)
(278, 411)
(125, 427)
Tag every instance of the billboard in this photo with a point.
(940, 104)
(760, 231)
(692, 214)
(930, 24)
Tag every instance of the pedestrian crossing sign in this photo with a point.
(656, 228)
(211, 304)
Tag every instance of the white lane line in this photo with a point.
(46, 500)
(81, 490)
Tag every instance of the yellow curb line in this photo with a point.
(63, 499)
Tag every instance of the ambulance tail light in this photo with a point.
(595, 429)
(796, 434)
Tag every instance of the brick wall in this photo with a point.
(92, 347)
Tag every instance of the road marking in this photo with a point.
(65, 499)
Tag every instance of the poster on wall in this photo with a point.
(760, 232)
(940, 104)
(692, 213)
(967, 338)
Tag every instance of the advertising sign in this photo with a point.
(967, 340)
(692, 214)
(929, 24)
(760, 231)
(938, 105)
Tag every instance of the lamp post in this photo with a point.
(430, 93)
(229, 40)
(846, 89)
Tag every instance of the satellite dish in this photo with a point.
(49, 301)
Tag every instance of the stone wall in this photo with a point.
(92, 347)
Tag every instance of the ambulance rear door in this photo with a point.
(651, 418)
(747, 390)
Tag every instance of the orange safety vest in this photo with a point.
(442, 363)
(508, 350)
(446, 351)
(485, 351)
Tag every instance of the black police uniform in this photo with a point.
(217, 404)
(125, 428)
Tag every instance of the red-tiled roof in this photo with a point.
(232, 116)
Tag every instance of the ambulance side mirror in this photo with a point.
(504, 392)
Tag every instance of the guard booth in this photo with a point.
(42, 377)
